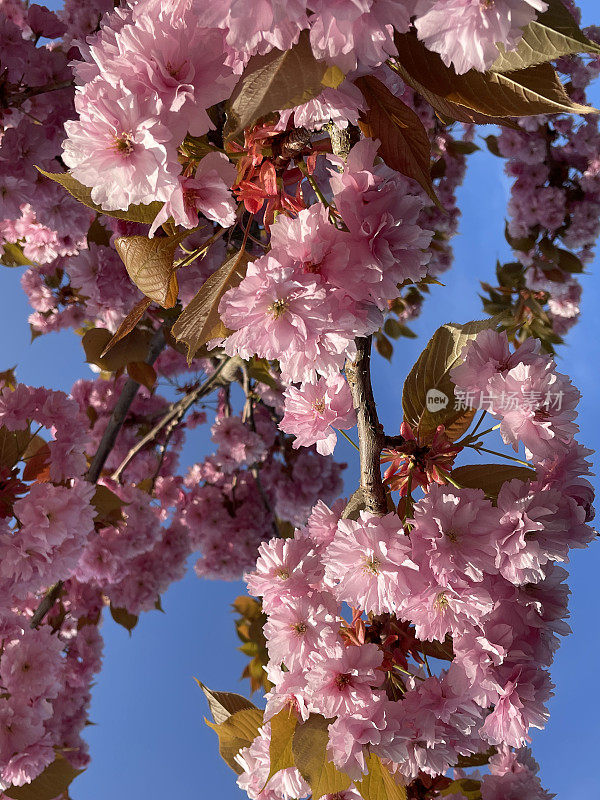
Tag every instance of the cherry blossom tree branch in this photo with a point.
(370, 433)
(120, 412)
(46, 604)
(173, 416)
(107, 443)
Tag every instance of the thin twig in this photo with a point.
(117, 418)
(370, 433)
(176, 411)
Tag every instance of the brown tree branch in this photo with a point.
(119, 414)
(115, 423)
(173, 417)
(370, 433)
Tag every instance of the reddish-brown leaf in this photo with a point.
(128, 324)
(142, 373)
(199, 322)
(405, 145)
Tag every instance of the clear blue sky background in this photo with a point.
(149, 739)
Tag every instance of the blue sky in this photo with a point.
(149, 739)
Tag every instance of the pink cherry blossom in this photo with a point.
(466, 32)
(453, 533)
(341, 679)
(297, 628)
(314, 410)
(368, 563)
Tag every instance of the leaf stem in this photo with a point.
(353, 443)
(479, 448)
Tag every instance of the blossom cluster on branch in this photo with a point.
(266, 188)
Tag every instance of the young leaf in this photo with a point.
(378, 783)
(149, 264)
(53, 782)
(142, 373)
(13, 256)
(13, 445)
(309, 747)
(469, 788)
(37, 461)
(128, 324)
(108, 505)
(137, 213)
(490, 477)
(477, 759)
(405, 145)
(552, 35)
(122, 617)
(133, 347)
(223, 704)
(431, 373)
(237, 731)
(199, 322)
(283, 728)
(277, 81)
(518, 93)
(384, 347)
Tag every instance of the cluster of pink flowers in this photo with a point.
(465, 579)
(475, 581)
(543, 210)
(46, 520)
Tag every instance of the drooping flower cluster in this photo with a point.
(467, 578)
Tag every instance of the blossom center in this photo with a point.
(318, 406)
(283, 574)
(372, 565)
(342, 680)
(300, 627)
(278, 308)
(312, 268)
(124, 144)
(452, 535)
(441, 601)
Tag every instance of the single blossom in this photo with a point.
(313, 411)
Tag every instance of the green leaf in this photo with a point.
(309, 747)
(404, 143)
(137, 213)
(13, 256)
(108, 507)
(52, 782)
(490, 477)
(523, 243)
(518, 93)
(237, 731)
(223, 704)
(283, 728)
(199, 322)
(276, 81)
(552, 35)
(378, 783)
(431, 374)
(122, 617)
